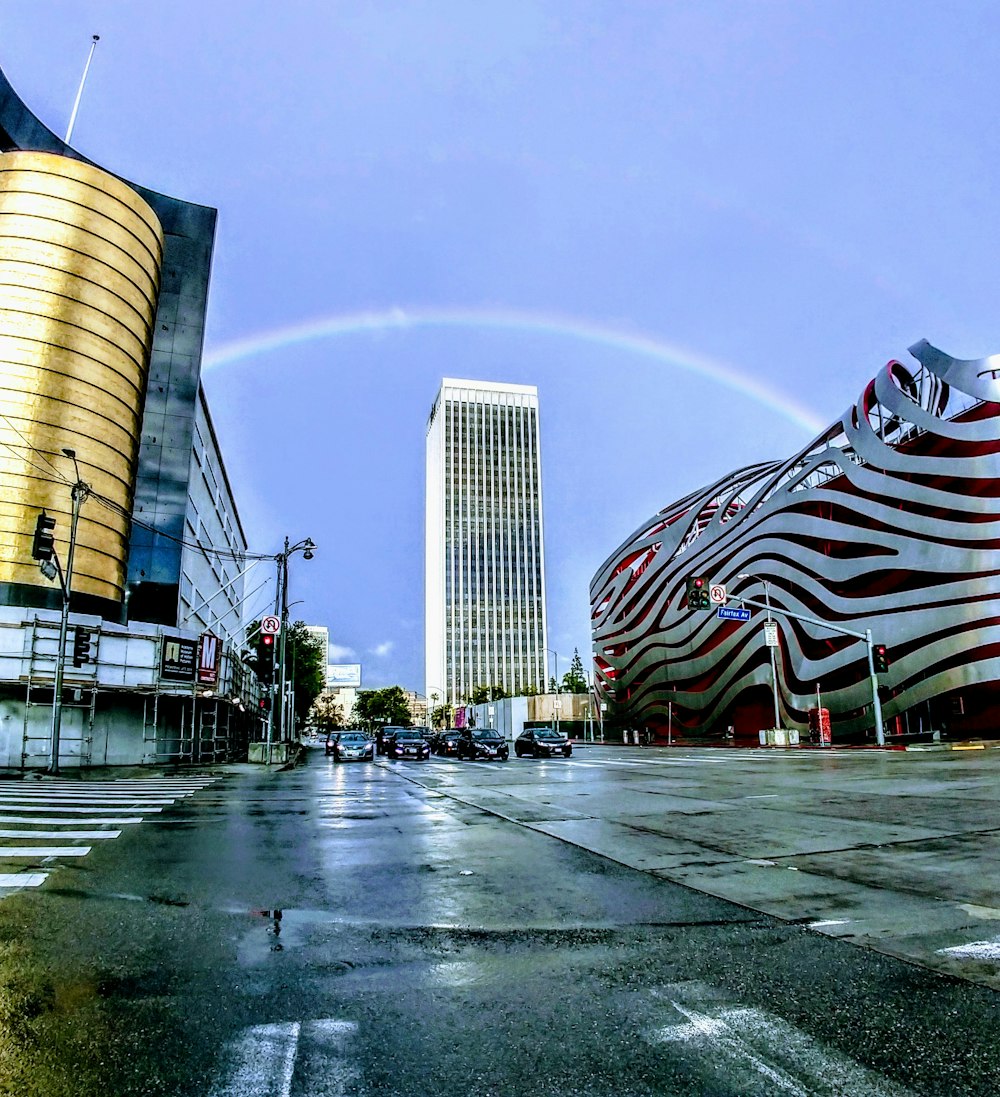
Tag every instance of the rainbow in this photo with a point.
(516, 320)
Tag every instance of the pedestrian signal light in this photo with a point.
(81, 646)
(881, 658)
(43, 544)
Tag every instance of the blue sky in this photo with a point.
(790, 193)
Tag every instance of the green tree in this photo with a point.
(326, 714)
(305, 668)
(575, 680)
(442, 716)
(375, 707)
(480, 695)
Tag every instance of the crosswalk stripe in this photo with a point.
(26, 810)
(43, 851)
(117, 821)
(58, 834)
(74, 804)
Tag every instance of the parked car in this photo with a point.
(350, 746)
(484, 743)
(406, 743)
(542, 743)
(445, 742)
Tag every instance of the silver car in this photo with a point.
(350, 746)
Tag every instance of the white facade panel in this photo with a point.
(485, 621)
(211, 583)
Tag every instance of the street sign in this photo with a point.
(270, 626)
(177, 660)
(209, 652)
(717, 594)
(771, 634)
(732, 614)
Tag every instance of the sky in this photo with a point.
(698, 227)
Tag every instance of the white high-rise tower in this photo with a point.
(485, 571)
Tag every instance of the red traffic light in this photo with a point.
(698, 583)
(266, 640)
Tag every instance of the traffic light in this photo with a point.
(81, 646)
(265, 658)
(44, 544)
(697, 592)
(881, 653)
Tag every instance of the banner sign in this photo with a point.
(343, 674)
(177, 660)
(209, 653)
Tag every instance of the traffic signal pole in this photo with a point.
(876, 703)
(866, 636)
(79, 493)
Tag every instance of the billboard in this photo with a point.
(343, 674)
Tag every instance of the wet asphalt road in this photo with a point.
(427, 947)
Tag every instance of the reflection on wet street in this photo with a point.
(464, 929)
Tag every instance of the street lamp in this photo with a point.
(774, 669)
(557, 703)
(432, 693)
(306, 547)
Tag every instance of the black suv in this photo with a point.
(483, 743)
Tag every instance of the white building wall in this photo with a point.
(212, 584)
(485, 619)
(118, 709)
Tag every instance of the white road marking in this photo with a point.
(57, 834)
(65, 804)
(43, 851)
(25, 810)
(975, 950)
(830, 922)
(52, 821)
(263, 1061)
(761, 1055)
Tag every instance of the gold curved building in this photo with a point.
(80, 256)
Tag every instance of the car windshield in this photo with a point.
(486, 735)
(549, 736)
(353, 737)
(413, 733)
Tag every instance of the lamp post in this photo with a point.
(558, 702)
(306, 547)
(774, 669)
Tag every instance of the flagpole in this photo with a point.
(79, 95)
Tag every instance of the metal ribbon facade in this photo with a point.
(889, 520)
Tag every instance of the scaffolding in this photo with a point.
(118, 707)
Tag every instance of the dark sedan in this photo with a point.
(348, 746)
(484, 743)
(542, 743)
(407, 743)
(445, 742)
